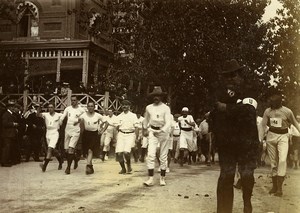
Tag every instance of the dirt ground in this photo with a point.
(25, 188)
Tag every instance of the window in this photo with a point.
(28, 19)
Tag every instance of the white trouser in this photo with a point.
(107, 138)
(52, 136)
(155, 140)
(71, 137)
(277, 147)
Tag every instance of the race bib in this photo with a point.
(276, 122)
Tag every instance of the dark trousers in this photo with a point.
(34, 146)
(228, 162)
(7, 144)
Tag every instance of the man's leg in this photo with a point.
(283, 146)
(272, 152)
(247, 182)
(6, 146)
(152, 144)
(128, 162)
(225, 182)
(70, 158)
(164, 149)
(47, 159)
(120, 156)
(89, 164)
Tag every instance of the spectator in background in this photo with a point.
(9, 134)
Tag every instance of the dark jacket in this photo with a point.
(39, 122)
(8, 128)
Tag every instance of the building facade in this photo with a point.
(56, 40)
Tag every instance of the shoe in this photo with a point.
(106, 157)
(168, 170)
(142, 160)
(129, 170)
(158, 170)
(67, 171)
(162, 181)
(88, 170)
(59, 167)
(123, 171)
(149, 182)
(42, 165)
(274, 188)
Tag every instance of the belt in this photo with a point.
(126, 132)
(155, 127)
(176, 135)
(279, 131)
(186, 129)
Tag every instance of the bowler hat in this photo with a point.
(231, 66)
(157, 91)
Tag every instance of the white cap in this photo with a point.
(185, 109)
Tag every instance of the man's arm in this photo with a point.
(294, 121)
(167, 120)
(263, 126)
(146, 122)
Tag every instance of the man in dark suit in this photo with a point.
(9, 133)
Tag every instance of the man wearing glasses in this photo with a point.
(72, 131)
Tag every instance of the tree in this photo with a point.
(183, 44)
(283, 49)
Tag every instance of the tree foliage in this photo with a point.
(283, 49)
(183, 44)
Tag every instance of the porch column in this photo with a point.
(58, 66)
(96, 71)
(85, 67)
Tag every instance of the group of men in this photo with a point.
(232, 122)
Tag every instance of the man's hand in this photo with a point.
(221, 106)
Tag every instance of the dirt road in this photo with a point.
(25, 188)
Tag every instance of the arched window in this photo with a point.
(28, 19)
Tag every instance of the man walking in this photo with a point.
(158, 117)
(127, 136)
(278, 118)
(72, 131)
(235, 130)
(52, 121)
(91, 121)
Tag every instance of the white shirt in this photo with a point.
(158, 116)
(188, 118)
(73, 115)
(140, 122)
(52, 121)
(176, 130)
(91, 121)
(127, 121)
(204, 127)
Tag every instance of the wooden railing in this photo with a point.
(61, 102)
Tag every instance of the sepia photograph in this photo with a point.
(149, 106)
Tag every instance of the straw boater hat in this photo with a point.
(157, 91)
(231, 66)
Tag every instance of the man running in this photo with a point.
(72, 131)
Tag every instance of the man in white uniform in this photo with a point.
(52, 121)
(127, 136)
(108, 132)
(278, 118)
(137, 149)
(176, 136)
(72, 131)
(186, 142)
(91, 121)
(158, 117)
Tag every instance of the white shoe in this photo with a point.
(158, 170)
(106, 157)
(162, 181)
(168, 170)
(149, 182)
